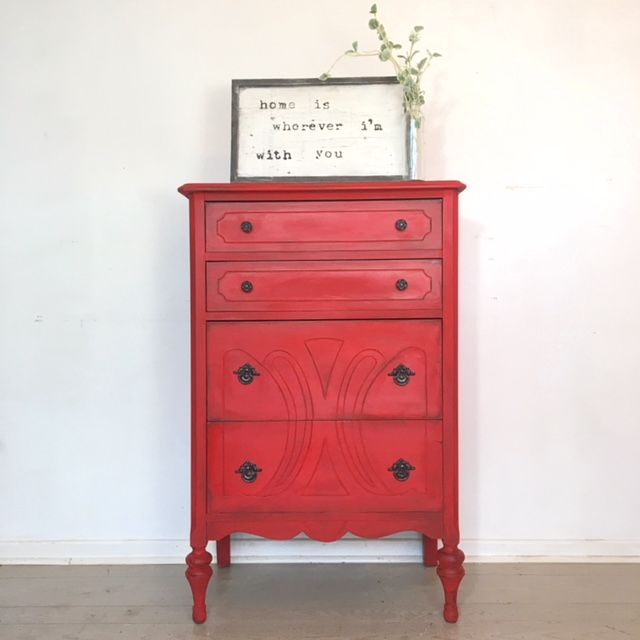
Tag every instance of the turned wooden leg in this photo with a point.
(198, 574)
(451, 572)
(429, 551)
(223, 552)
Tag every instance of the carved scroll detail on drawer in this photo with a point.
(352, 285)
(336, 464)
(324, 370)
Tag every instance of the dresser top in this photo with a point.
(321, 190)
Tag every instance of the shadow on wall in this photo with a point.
(170, 439)
(433, 161)
(469, 382)
(216, 135)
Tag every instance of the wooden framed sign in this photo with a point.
(308, 129)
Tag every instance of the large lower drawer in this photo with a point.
(354, 285)
(392, 465)
(323, 370)
(317, 226)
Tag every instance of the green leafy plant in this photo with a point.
(408, 69)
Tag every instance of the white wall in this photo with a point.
(106, 107)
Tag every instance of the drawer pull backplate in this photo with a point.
(401, 375)
(401, 470)
(248, 471)
(246, 373)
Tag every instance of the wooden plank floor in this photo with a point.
(322, 602)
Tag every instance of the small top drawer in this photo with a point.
(308, 226)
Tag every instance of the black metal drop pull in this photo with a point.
(246, 373)
(401, 470)
(401, 224)
(248, 471)
(401, 284)
(401, 375)
(246, 226)
(247, 286)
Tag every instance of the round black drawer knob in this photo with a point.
(246, 227)
(246, 373)
(402, 284)
(401, 470)
(401, 224)
(247, 286)
(401, 375)
(248, 471)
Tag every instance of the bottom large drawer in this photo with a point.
(382, 465)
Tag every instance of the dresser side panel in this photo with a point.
(198, 372)
(450, 368)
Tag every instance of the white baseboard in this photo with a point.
(249, 549)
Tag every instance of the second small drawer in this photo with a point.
(319, 286)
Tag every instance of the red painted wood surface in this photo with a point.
(346, 225)
(352, 285)
(324, 370)
(334, 465)
(323, 441)
(223, 552)
(429, 551)
(322, 526)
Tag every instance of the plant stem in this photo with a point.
(351, 54)
(409, 75)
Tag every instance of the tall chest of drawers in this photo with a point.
(324, 367)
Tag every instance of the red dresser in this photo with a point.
(324, 367)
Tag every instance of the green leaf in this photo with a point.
(324, 76)
(374, 8)
(384, 55)
(418, 28)
(422, 63)
(373, 23)
(397, 46)
(436, 55)
(355, 45)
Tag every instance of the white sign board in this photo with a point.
(309, 129)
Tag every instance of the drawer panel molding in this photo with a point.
(318, 285)
(282, 226)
